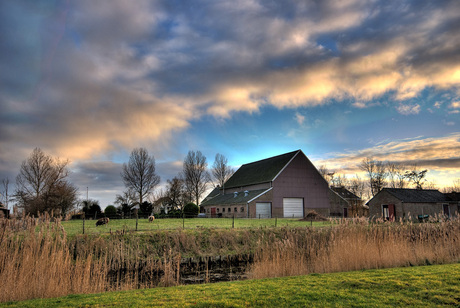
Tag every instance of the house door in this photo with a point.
(345, 212)
(391, 212)
(446, 210)
(213, 212)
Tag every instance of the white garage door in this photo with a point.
(263, 210)
(293, 207)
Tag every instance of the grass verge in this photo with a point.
(437, 285)
(73, 227)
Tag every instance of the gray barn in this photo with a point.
(287, 185)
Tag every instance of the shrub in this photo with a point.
(110, 210)
(191, 210)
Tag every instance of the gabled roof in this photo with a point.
(453, 196)
(212, 194)
(417, 195)
(261, 171)
(229, 199)
(345, 193)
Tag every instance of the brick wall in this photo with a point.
(267, 197)
(404, 210)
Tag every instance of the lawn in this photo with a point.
(73, 227)
(437, 285)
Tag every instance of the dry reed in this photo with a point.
(38, 260)
(358, 244)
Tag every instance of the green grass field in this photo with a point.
(437, 285)
(73, 227)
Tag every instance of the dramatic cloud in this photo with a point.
(438, 154)
(91, 79)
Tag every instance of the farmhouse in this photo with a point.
(395, 203)
(287, 185)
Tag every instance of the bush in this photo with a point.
(110, 210)
(191, 210)
(174, 214)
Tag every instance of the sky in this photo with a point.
(89, 81)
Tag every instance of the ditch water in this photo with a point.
(214, 269)
(192, 270)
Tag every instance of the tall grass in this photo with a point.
(35, 262)
(37, 259)
(355, 245)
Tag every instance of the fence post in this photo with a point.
(276, 220)
(233, 222)
(83, 225)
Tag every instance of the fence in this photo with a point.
(88, 226)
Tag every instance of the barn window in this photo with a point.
(242, 209)
(217, 210)
(235, 210)
(223, 210)
(229, 209)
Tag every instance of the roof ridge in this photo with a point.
(276, 156)
(261, 171)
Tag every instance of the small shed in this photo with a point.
(4, 212)
(345, 204)
(395, 203)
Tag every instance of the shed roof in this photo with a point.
(417, 195)
(228, 199)
(453, 196)
(261, 171)
(345, 193)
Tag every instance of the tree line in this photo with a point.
(43, 185)
(380, 174)
(187, 187)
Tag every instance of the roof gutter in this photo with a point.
(247, 203)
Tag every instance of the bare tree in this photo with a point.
(174, 193)
(454, 188)
(42, 185)
(127, 197)
(376, 171)
(323, 170)
(195, 175)
(139, 174)
(5, 198)
(337, 179)
(327, 174)
(356, 186)
(431, 185)
(396, 175)
(416, 177)
(221, 170)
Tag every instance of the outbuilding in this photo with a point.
(394, 203)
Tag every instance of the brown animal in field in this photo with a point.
(102, 221)
(151, 218)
